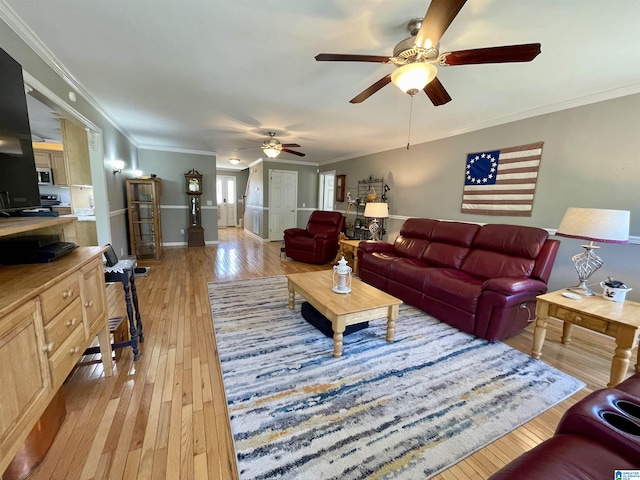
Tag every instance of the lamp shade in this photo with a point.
(271, 152)
(376, 210)
(413, 77)
(595, 224)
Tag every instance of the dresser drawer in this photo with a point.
(59, 297)
(578, 318)
(63, 358)
(61, 327)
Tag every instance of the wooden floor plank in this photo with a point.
(165, 417)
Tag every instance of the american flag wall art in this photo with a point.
(502, 182)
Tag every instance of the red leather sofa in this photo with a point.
(596, 437)
(318, 243)
(482, 280)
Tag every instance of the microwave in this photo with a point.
(45, 177)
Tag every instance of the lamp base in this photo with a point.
(582, 290)
(586, 263)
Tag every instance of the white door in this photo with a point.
(283, 200)
(227, 206)
(327, 190)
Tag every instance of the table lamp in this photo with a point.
(376, 210)
(595, 225)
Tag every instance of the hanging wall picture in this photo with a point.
(502, 182)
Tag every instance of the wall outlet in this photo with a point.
(304, 205)
(182, 231)
(121, 251)
(209, 202)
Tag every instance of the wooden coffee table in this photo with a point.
(362, 304)
(618, 320)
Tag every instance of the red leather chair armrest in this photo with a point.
(294, 232)
(511, 286)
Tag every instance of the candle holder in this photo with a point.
(342, 277)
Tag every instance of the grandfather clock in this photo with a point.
(195, 232)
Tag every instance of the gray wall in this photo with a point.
(115, 143)
(589, 159)
(171, 167)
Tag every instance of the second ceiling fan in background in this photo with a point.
(415, 57)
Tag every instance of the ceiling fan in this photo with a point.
(415, 57)
(273, 147)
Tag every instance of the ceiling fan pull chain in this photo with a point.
(410, 115)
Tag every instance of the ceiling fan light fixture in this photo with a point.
(271, 152)
(413, 77)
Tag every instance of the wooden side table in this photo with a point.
(618, 320)
(349, 247)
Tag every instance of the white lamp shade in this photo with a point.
(118, 164)
(413, 77)
(271, 152)
(376, 210)
(595, 224)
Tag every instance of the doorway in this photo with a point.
(327, 190)
(226, 200)
(283, 202)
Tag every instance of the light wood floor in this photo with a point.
(164, 416)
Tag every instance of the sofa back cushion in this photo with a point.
(504, 251)
(414, 237)
(327, 223)
(450, 242)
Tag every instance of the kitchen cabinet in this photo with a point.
(145, 228)
(54, 160)
(42, 158)
(76, 153)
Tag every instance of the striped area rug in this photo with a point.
(402, 410)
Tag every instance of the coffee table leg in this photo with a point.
(566, 333)
(540, 330)
(338, 334)
(391, 322)
(625, 341)
(292, 296)
(337, 344)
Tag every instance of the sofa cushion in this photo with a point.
(504, 251)
(450, 242)
(453, 287)
(514, 240)
(409, 272)
(414, 237)
(566, 457)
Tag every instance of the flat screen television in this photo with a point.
(18, 180)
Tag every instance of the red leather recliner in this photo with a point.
(318, 243)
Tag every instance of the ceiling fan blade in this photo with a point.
(504, 54)
(290, 145)
(436, 93)
(345, 57)
(439, 16)
(300, 154)
(366, 93)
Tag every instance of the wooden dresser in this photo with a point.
(49, 314)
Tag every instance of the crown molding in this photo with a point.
(11, 18)
(178, 150)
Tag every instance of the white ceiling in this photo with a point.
(215, 76)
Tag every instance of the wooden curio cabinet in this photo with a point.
(145, 228)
